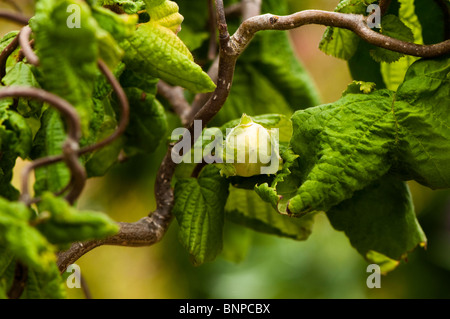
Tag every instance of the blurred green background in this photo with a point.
(324, 266)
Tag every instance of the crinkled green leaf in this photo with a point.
(143, 81)
(15, 140)
(199, 210)
(283, 187)
(22, 240)
(65, 224)
(347, 145)
(102, 160)
(380, 218)
(393, 27)
(113, 27)
(342, 43)
(119, 26)
(155, 49)
(68, 56)
(48, 141)
(164, 13)
(148, 123)
(422, 121)
(22, 74)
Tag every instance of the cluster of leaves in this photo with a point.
(139, 54)
(349, 158)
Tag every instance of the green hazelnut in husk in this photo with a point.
(250, 149)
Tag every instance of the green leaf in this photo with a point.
(148, 122)
(393, 27)
(102, 160)
(155, 49)
(63, 224)
(371, 71)
(68, 56)
(48, 141)
(244, 207)
(394, 73)
(347, 145)
(343, 147)
(342, 43)
(7, 266)
(22, 74)
(15, 140)
(380, 218)
(44, 285)
(272, 54)
(113, 27)
(421, 112)
(164, 13)
(129, 6)
(22, 240)
(237, 241)
(199, 209)
(194, 31)
(283, 187)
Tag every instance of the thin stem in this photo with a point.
(78, 172)
(5, 55)
(24, 41)
(85, 287)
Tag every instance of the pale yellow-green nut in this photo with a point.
(250, 149)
